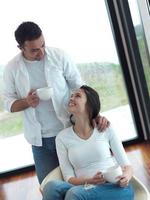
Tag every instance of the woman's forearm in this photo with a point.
(78, 181)
(98, 178)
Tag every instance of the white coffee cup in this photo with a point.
(112, 173)
(44, 93)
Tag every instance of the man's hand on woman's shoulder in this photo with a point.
(101, 123)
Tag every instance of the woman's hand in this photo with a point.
(101, 123)
(126, 176)
(98, 178)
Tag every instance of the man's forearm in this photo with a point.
(19, 105)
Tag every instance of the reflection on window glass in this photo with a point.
(144, 55)
(140, 35)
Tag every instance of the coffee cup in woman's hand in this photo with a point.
(111, 174)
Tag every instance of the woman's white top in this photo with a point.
(84, 158)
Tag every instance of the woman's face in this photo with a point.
(77, 102)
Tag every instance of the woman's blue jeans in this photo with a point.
(45, 157)
(60, 190)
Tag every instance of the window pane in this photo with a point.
(140, 34)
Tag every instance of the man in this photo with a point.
(38, 66)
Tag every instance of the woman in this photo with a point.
(84, 153)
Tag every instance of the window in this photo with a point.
(82, 29)
(141, 25)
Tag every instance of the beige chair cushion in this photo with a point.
(141, 192)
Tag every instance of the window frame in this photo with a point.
(132, 67)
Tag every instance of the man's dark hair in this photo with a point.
(27, 31)
(93, 103)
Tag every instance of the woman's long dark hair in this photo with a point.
(93, 103)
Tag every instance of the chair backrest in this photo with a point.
(53, 175)
(141, 192)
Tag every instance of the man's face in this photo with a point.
(34, 49)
